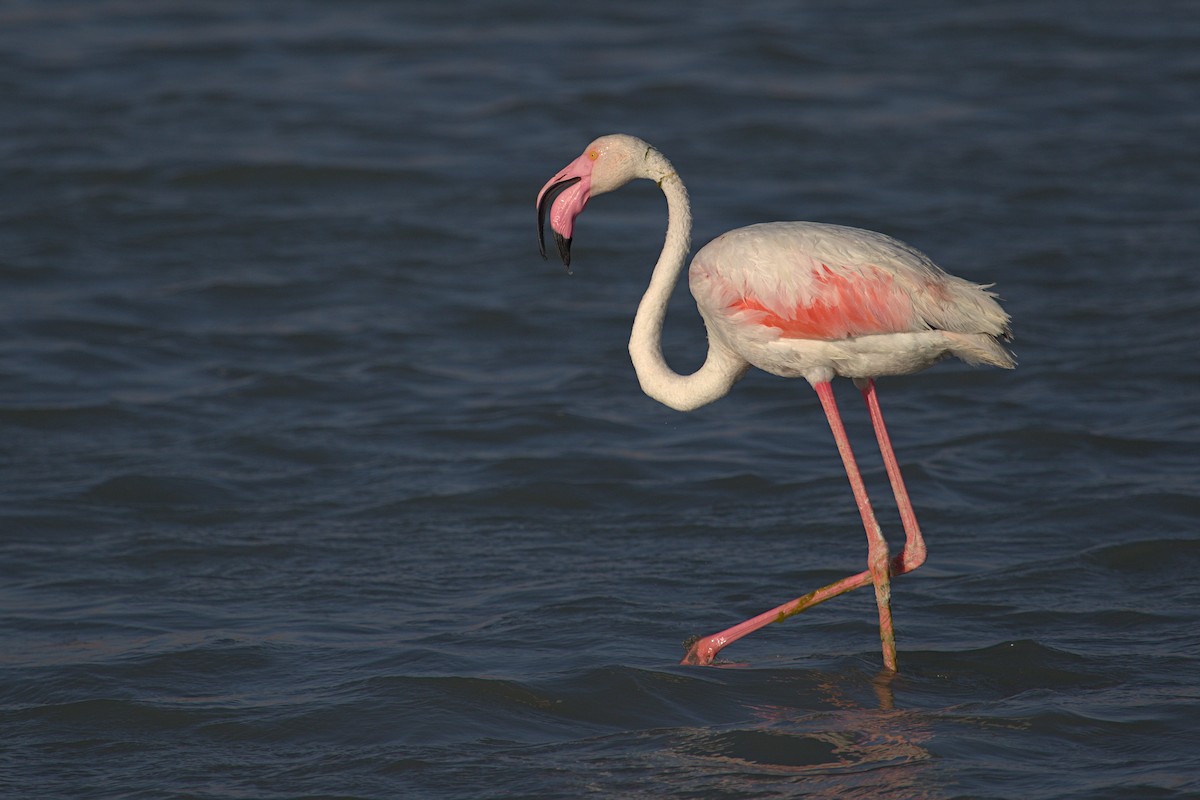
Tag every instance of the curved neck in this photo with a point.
(721, 368)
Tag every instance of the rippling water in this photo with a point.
(318, 482)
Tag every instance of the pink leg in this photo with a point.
(704, 650)
(877, 548)
(914, 545)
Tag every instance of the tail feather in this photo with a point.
(980, 349)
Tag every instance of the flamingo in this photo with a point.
(799, 300)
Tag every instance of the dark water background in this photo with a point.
(317, 482)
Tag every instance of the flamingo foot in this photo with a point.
(702, 650)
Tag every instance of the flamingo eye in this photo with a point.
(593, 154)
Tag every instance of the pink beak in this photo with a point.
(565, 195)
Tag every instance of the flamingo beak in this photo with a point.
(564, 199)
(545, 202)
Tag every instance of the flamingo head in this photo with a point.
(606, 164)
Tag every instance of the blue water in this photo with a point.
(315, 481)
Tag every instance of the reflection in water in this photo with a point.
(846, 748)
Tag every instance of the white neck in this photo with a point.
(721, 368)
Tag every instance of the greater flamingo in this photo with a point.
(799, 300)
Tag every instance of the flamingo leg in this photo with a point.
(877, 548)
(703, 650)
(913, 555)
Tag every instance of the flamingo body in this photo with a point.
(804, 299)
(799, 300)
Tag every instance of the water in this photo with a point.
(317, 482)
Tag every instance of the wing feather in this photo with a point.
(813, 281)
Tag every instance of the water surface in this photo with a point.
(318, 482)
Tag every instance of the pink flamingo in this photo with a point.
(799, 300)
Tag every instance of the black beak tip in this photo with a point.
(564, 248)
